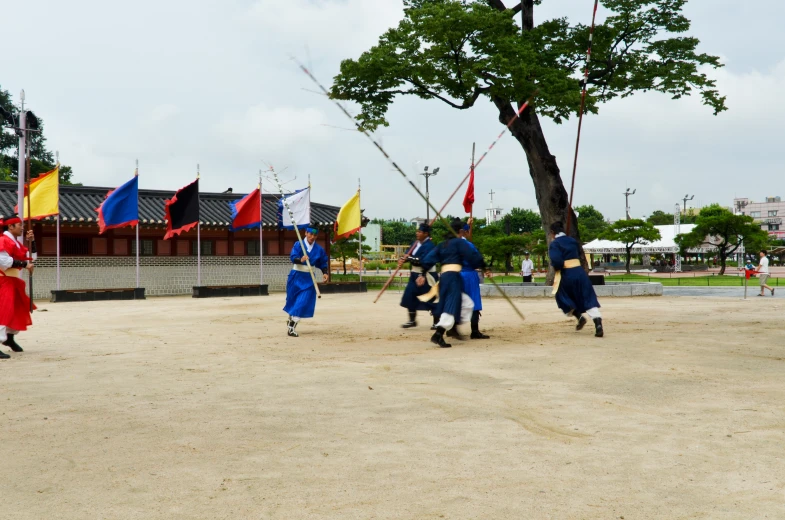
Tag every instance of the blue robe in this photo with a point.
(576, 292)
(412, 291)
(452, 251)
(471, 282)
(300, 292)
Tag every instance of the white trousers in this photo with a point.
(446, 321)
(4, 331)
(593, 313)
(295, 319)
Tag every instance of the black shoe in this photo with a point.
(13, 344)
(476, 334)
(291, 324)
(598, 332)
(3, 355)
(409, 325)
(434, 327)
(453, 333)
(581, 323)
(438, 338)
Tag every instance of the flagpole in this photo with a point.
(22, 156)
(261, 232)
(58, 225)
(360, 238)
(198, 239)
(30, 242)
(471, 213)
(136, 174)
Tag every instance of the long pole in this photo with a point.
(360, 238)
(427, 199)
(22, 157)
(297, 232)
(198, 242)
(136, 174)
(57, 270)
(30, 241)
(580, 115)
(471, 213)
(261, 225)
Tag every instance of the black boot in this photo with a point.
(13, 344)
(291, 324)
(412, 321)
(581, 323)
(476, 334)
(438, 338)
(3, 355)
(435, 321)
(598, 332)
(453, 333)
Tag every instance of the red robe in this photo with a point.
(14, 302)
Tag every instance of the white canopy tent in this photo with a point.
(665, 245)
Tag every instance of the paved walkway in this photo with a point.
(721, 292)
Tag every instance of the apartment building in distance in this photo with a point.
(768, 214)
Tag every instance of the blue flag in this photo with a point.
(121, 207)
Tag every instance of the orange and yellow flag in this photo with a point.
(42, 197)
(349, 218)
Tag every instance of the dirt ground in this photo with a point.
(177, 408)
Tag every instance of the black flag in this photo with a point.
(182, 210)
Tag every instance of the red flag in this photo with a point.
(468, 199)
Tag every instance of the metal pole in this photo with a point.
(22, 157)
(360, 237)
(57, 270)
(198, 242)
(30, 242)
(471, 214)
(261, 225)
(427, 199)
(136, 174)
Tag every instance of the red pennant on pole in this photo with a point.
(468, 199)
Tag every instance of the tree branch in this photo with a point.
(497, 4)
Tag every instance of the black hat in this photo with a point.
(457, 225)
(425, 228)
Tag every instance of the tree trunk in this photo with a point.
(629, 257)
(344, 265)
(552, 197)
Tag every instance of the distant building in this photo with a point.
(493, 214)
(768, 214)
(416, 221)
(372, 236)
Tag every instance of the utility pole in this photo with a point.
(685, 199)
(627, 200)
(22, 155)
(428, 174)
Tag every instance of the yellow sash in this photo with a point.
(12, 272)
(433, 294)
(568, 264)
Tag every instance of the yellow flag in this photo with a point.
(348, 221)
(44, 195)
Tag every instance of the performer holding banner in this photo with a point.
(574, 292)
(419, 250)
(14, 302)
(300, 289)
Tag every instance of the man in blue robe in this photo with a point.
(300, 289)
(471, 286)
(454, 305)
(574, 292)
(419, 250)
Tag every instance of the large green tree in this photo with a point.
(660, 218)
(718, 227)
(41, 159)
(631, 233)
(461, 51)
(591, 223)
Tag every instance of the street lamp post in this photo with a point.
(627, 200)
(685, 199)
(428, 174)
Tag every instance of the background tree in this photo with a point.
(591, 223)
(397, 233)
(661, 218)
(518, 221)
(719, 227)
(631, 233)
(459, 51)
(41, 159)
(347, 248)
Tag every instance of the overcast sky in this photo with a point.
(175, 83)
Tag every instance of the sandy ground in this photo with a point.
(175, 408)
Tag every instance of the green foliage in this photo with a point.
(631, 233)
(520, 220)
(347, 248)
(591, 223)
(42, 160)
(459, 51)
(661, 218)
(397, 232)
(719, 227)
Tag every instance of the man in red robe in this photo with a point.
(14, 302)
